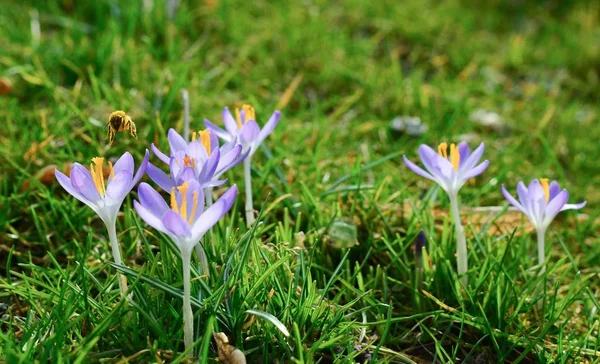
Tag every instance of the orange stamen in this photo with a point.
(183, 208)
(174, 206)
(205, 140)
(454, 156)
(194, 207)
(97, 176)
(443, 150)
(545, 187)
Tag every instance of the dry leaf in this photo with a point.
(6, 86)
(228, 354)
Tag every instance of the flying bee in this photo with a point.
(119, 121)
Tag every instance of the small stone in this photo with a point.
(488, 119)
(409, 125)
(343, 234)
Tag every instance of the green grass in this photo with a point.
(331, 160)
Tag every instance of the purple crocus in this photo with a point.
(451, 171)
(541, 202)
(245, 129)
(105, 198)
(185, 222)
(202, 160)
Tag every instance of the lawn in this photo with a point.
(329, 272)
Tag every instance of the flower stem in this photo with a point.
(248, 185)
(186, 115)
(541, 245)
(188, 317)
(462, 263)
(111, 226)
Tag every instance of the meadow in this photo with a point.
(333, 269)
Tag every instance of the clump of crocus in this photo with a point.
(185, 222)
(105, 197)
(541, 202)
(201, 160)
(246, 131)
(451, 170)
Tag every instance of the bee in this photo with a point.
(119, 121)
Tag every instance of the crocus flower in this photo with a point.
(202, 160)
(185, 222)
(245, 129)
(105, 198)
(541, 202)
(451, 171)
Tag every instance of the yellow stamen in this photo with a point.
(249, 111)
(194, 207)
(174, 206)
(97, 176)
(188, 162)
(238, 118)
(194, 136)
(545, 187)
(454, 156)
(111, 170)
(443, 150)
(249, 114)
(205, 140)
(183, 208)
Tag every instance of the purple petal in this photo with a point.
(555, 206)
(188, 174)
(413, 167)
(464, 151)
(214, 141)
(214, 213)
(214, 183)
(119, 187)
(196, 150)
(476, 171)
(428, 156)
(573, 206)
(554, 189)
(249, 132)
(194, 187)
(152, 200)
(230, 160)
(268, 127)
(149, 217)
(65, 182)
(523, 196)
(473, 158)
(82, 182)
(512, 200)
(218, 131)
(141, 170)
(162, 156)
(230, 124)
(175, 224)
(159, 177)
(125, 163)
(176, 141)
(209, 167)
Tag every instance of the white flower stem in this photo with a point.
(248, 186)
(462, 263)
(186, 115)
(111, 226)
(541, 245)
(188, 317)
